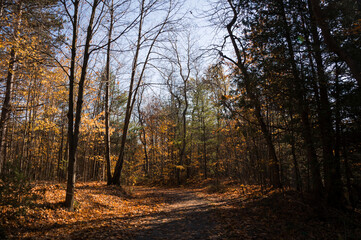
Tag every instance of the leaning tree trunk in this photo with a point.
(134, 86)
(128, 111)
(273, 159)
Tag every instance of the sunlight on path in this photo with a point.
(184, 215)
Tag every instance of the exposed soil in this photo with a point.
(184, 215)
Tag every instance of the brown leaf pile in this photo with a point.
(101, 212)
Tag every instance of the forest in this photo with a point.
(180, 119)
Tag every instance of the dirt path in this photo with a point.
(108, 212)
(184, 215)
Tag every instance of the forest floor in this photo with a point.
(231, 212)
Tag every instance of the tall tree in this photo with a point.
(181, 68)
(6, 107)
(107, 84)
(251, 91)
(73, 127)
(333, 182)
(146, 39)
(303, 109)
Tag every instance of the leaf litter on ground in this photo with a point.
(237, 212)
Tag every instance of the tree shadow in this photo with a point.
(189, 216)
(284, 216)
(171, 196)
(184, 222)
(195, 222)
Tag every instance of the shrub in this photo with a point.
(15, 189)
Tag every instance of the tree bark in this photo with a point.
(204, 146)
(69, 200)
(143, 139)
(73, 128)
(107, 111)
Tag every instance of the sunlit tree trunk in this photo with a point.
(107, 111)
(73, 127)
(143, 135)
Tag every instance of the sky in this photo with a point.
(205, 32)
(202, 34)
(201, 31)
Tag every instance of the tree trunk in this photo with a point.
(295, 162)
(133, 90)
(184, 134)
(69, 199)
(128, 111)
(60, 153)
(204, 148)
(6, 108)
(333, 181)
(107, 111)
(146, 158)
(273, 160)
(143, 139)
(73, 129)
(303, 110)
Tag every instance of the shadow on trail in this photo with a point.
(192, 223)
(186, 215)
(182, 215)
(169, 196)
(195, 222)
